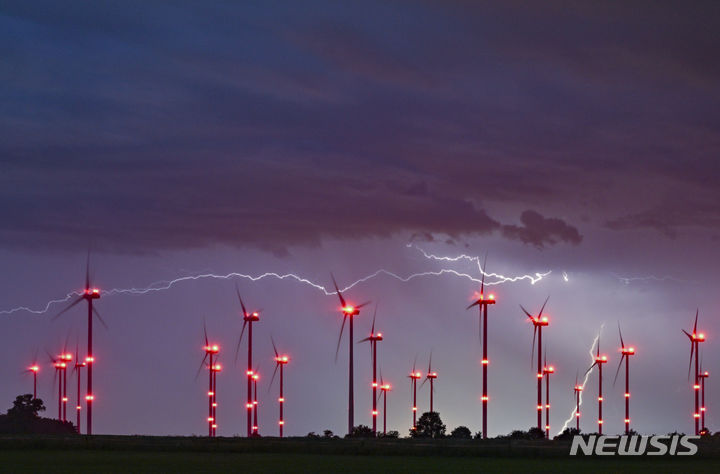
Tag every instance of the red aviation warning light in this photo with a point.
(280, 362)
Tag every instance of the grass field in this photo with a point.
(177, 454)
(35, 460)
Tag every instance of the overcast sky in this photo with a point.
(217, 138)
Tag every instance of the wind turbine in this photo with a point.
(76, 368)
(373, 340)
(695, 340)
(431, 376)
(538, 322)
(211, 350)
(384, 389)
(626, 353)
(547, 371)
(89, 293)
(482, 303)
(280, 361)
(577, 389)
(414, 377)
(599, 361)
(66, 358)
(60, 366)
(349, 311)
(248, 319)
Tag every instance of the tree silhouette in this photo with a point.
(26, 407)
(23, 418)
(461, 432)
(361, 431)
(429, 426)
(567, 434)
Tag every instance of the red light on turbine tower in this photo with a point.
(34, 368)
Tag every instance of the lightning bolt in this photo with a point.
(587, 376)
(164, 285)
(476, 260)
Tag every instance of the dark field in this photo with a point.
(176, 454)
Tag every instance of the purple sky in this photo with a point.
(207, 137)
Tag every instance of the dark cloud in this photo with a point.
(541, 231)
(151, 127)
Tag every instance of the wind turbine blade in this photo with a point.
(423, 383)
(590, 368)
(274, 347)
(482, 280)
(342, 328)
(476, 303)
(372, 329)
(97, 314)
(697, 312)
(78, 300)
(532, 351)
(273, 376)
(237, 347)
(242, 305)
(618, 369)
(77, 355)
(87, 271)
(242, 331)
(414, 362)
(202, 364)
(65, 344)
(526, 312)
(337, 290)
(430, 363)
(622, 343)
(692, 352)
(363, 340)
(363, 304)
(207, 342)
(543, 306)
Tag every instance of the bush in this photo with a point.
(461, 432)
(389, 434)
(567, 435)
(532, 433)
(22, 418)
(429, 426)
(361, 431)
